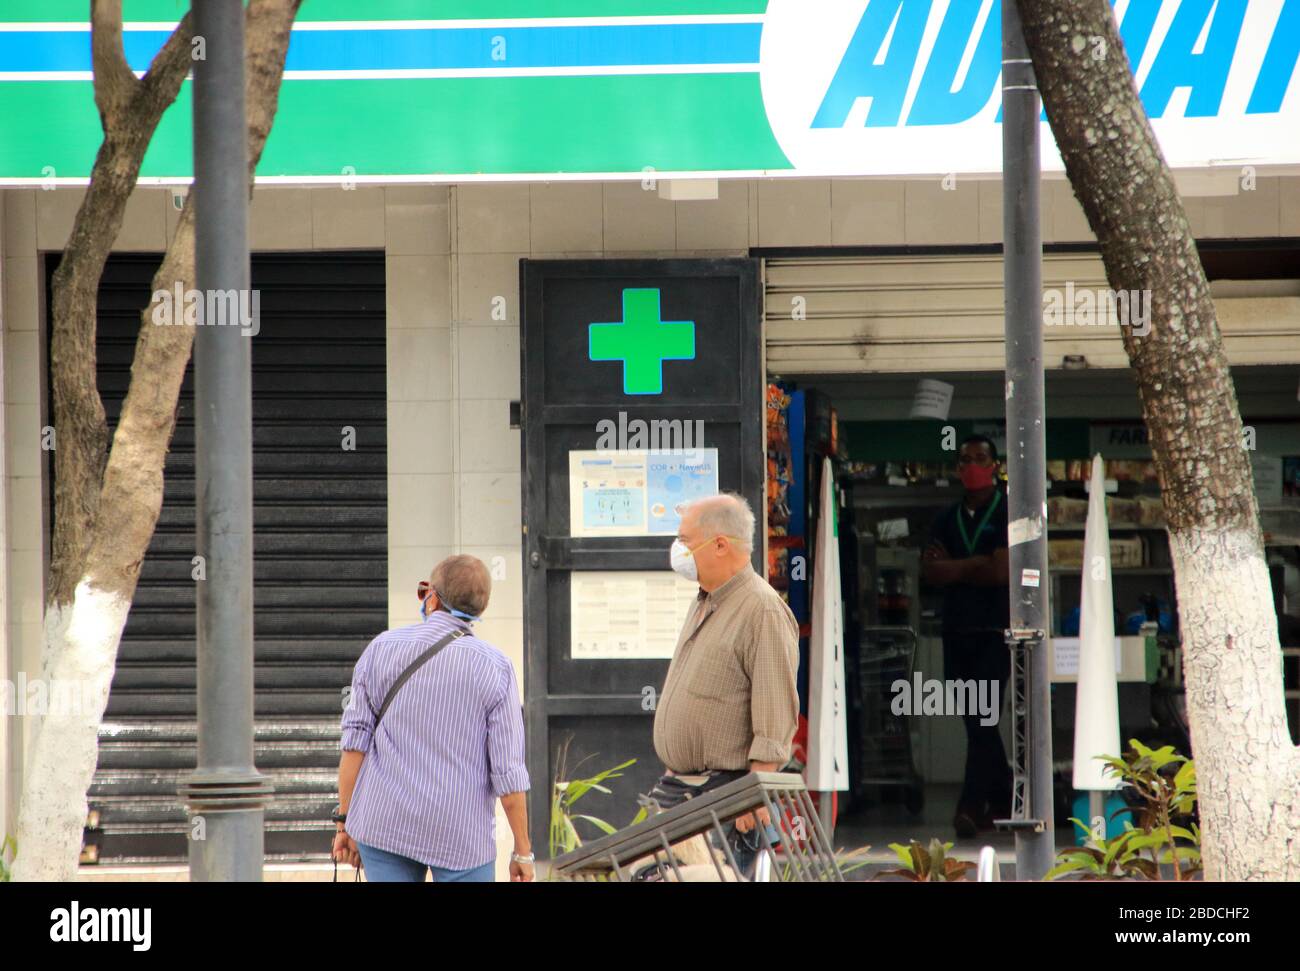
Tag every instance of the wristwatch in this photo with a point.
(520, 858)
(338, 817)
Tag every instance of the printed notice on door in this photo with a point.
(636, 493)
(627, 615)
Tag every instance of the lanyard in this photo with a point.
(961, 523)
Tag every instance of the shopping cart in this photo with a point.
(805, 854)
(885, 656)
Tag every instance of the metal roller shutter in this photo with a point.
(845, 314)
(320, 567)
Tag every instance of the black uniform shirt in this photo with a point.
(967, 607)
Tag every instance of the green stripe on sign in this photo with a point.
(673, 122)
(54, 131)
(435, 126)
(77, 11)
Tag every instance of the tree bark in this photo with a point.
(129, 110)
(1248, 771)
(109, 509)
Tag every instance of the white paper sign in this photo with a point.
(932, 399)
(622, 615)
(1065, 651)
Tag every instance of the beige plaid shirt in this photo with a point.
(730, 695)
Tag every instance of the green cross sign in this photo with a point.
(642, 342)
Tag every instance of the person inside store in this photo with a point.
(730, 704)
(967, 558)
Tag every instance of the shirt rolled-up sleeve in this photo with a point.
(358, 714)
(774, 698)
(505, 729)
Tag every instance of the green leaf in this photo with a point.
(600, 824)
(1164, 756)
(1115, 847)
(1147, 841)
(904, 853)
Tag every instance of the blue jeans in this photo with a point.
(384, 867)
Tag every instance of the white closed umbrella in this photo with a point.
(1096, 713)
(828, 740)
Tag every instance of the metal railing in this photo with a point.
(806, 853)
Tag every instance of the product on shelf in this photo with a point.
(1127, 551)
(1064, 511)
(1122, 512)
(779, 461)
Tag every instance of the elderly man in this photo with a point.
(729, 703)
(432, 733)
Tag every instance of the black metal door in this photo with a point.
(603, 707)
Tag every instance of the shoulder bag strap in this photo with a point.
(412, 668)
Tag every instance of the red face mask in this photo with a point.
(975, 477)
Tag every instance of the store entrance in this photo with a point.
(896, 474)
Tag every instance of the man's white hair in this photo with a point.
(726, 514)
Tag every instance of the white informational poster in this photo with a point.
(1065, 654)
(636, 493)
(621, 614)
(828, 738)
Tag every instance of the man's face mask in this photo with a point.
(682, 559)
(975, 477)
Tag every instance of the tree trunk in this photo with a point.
(108, 511)
(1248, 770)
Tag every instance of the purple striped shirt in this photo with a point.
(451, 742)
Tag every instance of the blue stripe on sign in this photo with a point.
(458, 48)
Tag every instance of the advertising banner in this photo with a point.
(453, 90)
